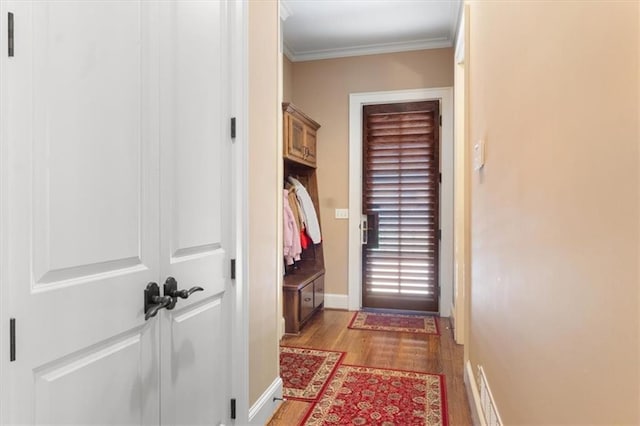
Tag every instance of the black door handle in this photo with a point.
(373, 230)
(153, 302)
(171, 290)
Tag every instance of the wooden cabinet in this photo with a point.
(300, 136)
(302, 299)
(303, 284)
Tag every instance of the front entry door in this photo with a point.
(400, 200)
(114, 173)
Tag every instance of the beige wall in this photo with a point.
(321, 89)
(554, 309)
(264, 158)
(287, 79)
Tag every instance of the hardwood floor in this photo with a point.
(404, 351)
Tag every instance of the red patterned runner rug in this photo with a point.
(376, 396)
(394, 322)
(305, 372)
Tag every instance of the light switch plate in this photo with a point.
(342, 213)
(478, 155)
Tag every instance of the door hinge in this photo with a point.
(440, 177)
(233, 408)
(233, 127)
(12, 339)
(233, 269)
(439, 234)
(441, 120)
(10, 34)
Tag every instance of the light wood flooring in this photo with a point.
(404, 351)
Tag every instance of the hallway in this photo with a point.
(404, 351)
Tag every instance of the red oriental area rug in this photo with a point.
(305, 372)
(375, 396)
(394, 322)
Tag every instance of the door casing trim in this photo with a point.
(356, 101)
(239, 56)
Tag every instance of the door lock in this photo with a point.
(171, 290)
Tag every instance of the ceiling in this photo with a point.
(321, 29)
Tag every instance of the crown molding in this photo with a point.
(459, 50)
(287, 52)
(285, 11)
(456, 19)
(371, 49)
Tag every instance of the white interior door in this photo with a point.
(113, 166)
(195, 204)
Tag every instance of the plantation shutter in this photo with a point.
(401, 188)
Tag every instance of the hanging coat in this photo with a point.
(309, 211)
(295, 207)
(292, 247)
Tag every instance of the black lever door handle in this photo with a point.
(171, 290)
(153, 302)
(373, 230)
(183, 294)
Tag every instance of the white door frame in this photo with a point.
(461, 191)
(356, 102)
(239, 24)
(4, 289)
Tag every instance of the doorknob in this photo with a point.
(153, 302)
(171, 290)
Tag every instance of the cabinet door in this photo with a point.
(310, 145)
(306, 301)
(295, 141)
(318, 291)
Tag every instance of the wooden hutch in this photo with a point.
(303, 284)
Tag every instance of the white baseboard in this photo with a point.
(445, 311)
(265, 406)
(336, 301)
(473, 395)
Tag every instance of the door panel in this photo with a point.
(194, 127)
(296, 139)
(194, 159)
(194, 183)
(306, 304)
(310, 145)
(87, 141)
(318, 291)
(93, 376)
(196, 333)
(81, 221)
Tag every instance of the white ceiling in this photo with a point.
(321, 29)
